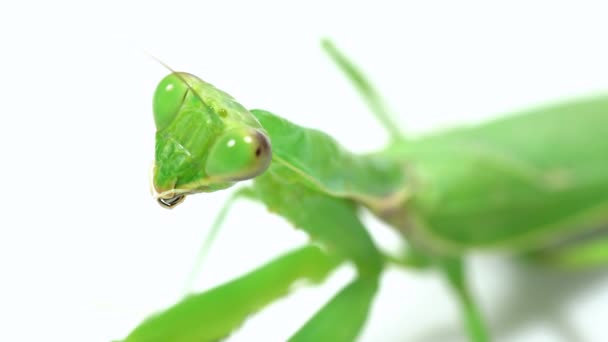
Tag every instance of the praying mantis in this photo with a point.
(533, 184)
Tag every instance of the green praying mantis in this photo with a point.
(534, 184)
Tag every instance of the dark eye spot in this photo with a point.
(263, 152)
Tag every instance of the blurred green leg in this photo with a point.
(590, 254)
(365, 88)
(474, 323)
(214, 314)
(410, 259)
(342, 318)
(213, 232)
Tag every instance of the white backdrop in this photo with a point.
(86, 254)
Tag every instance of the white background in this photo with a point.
(85, 253)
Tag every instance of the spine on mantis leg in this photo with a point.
(315, 158)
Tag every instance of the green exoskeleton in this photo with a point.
(534, 184)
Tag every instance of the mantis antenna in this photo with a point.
(179, 75)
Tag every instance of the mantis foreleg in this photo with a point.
(334, 223)
(214, 314)
(474, 324)
(349, 307)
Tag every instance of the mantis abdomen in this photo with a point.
(526, 180)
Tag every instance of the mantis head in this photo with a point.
(205, 140)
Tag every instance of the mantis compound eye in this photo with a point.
(168, 99)
(239, 154)
(172, 202)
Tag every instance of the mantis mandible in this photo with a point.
(534, 184)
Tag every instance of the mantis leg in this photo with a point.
(213, 231)
(365, 88)
(214, 314)
(341, 319)
(410, 259)
(334, 223)
(589, 254)
(454, 271)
